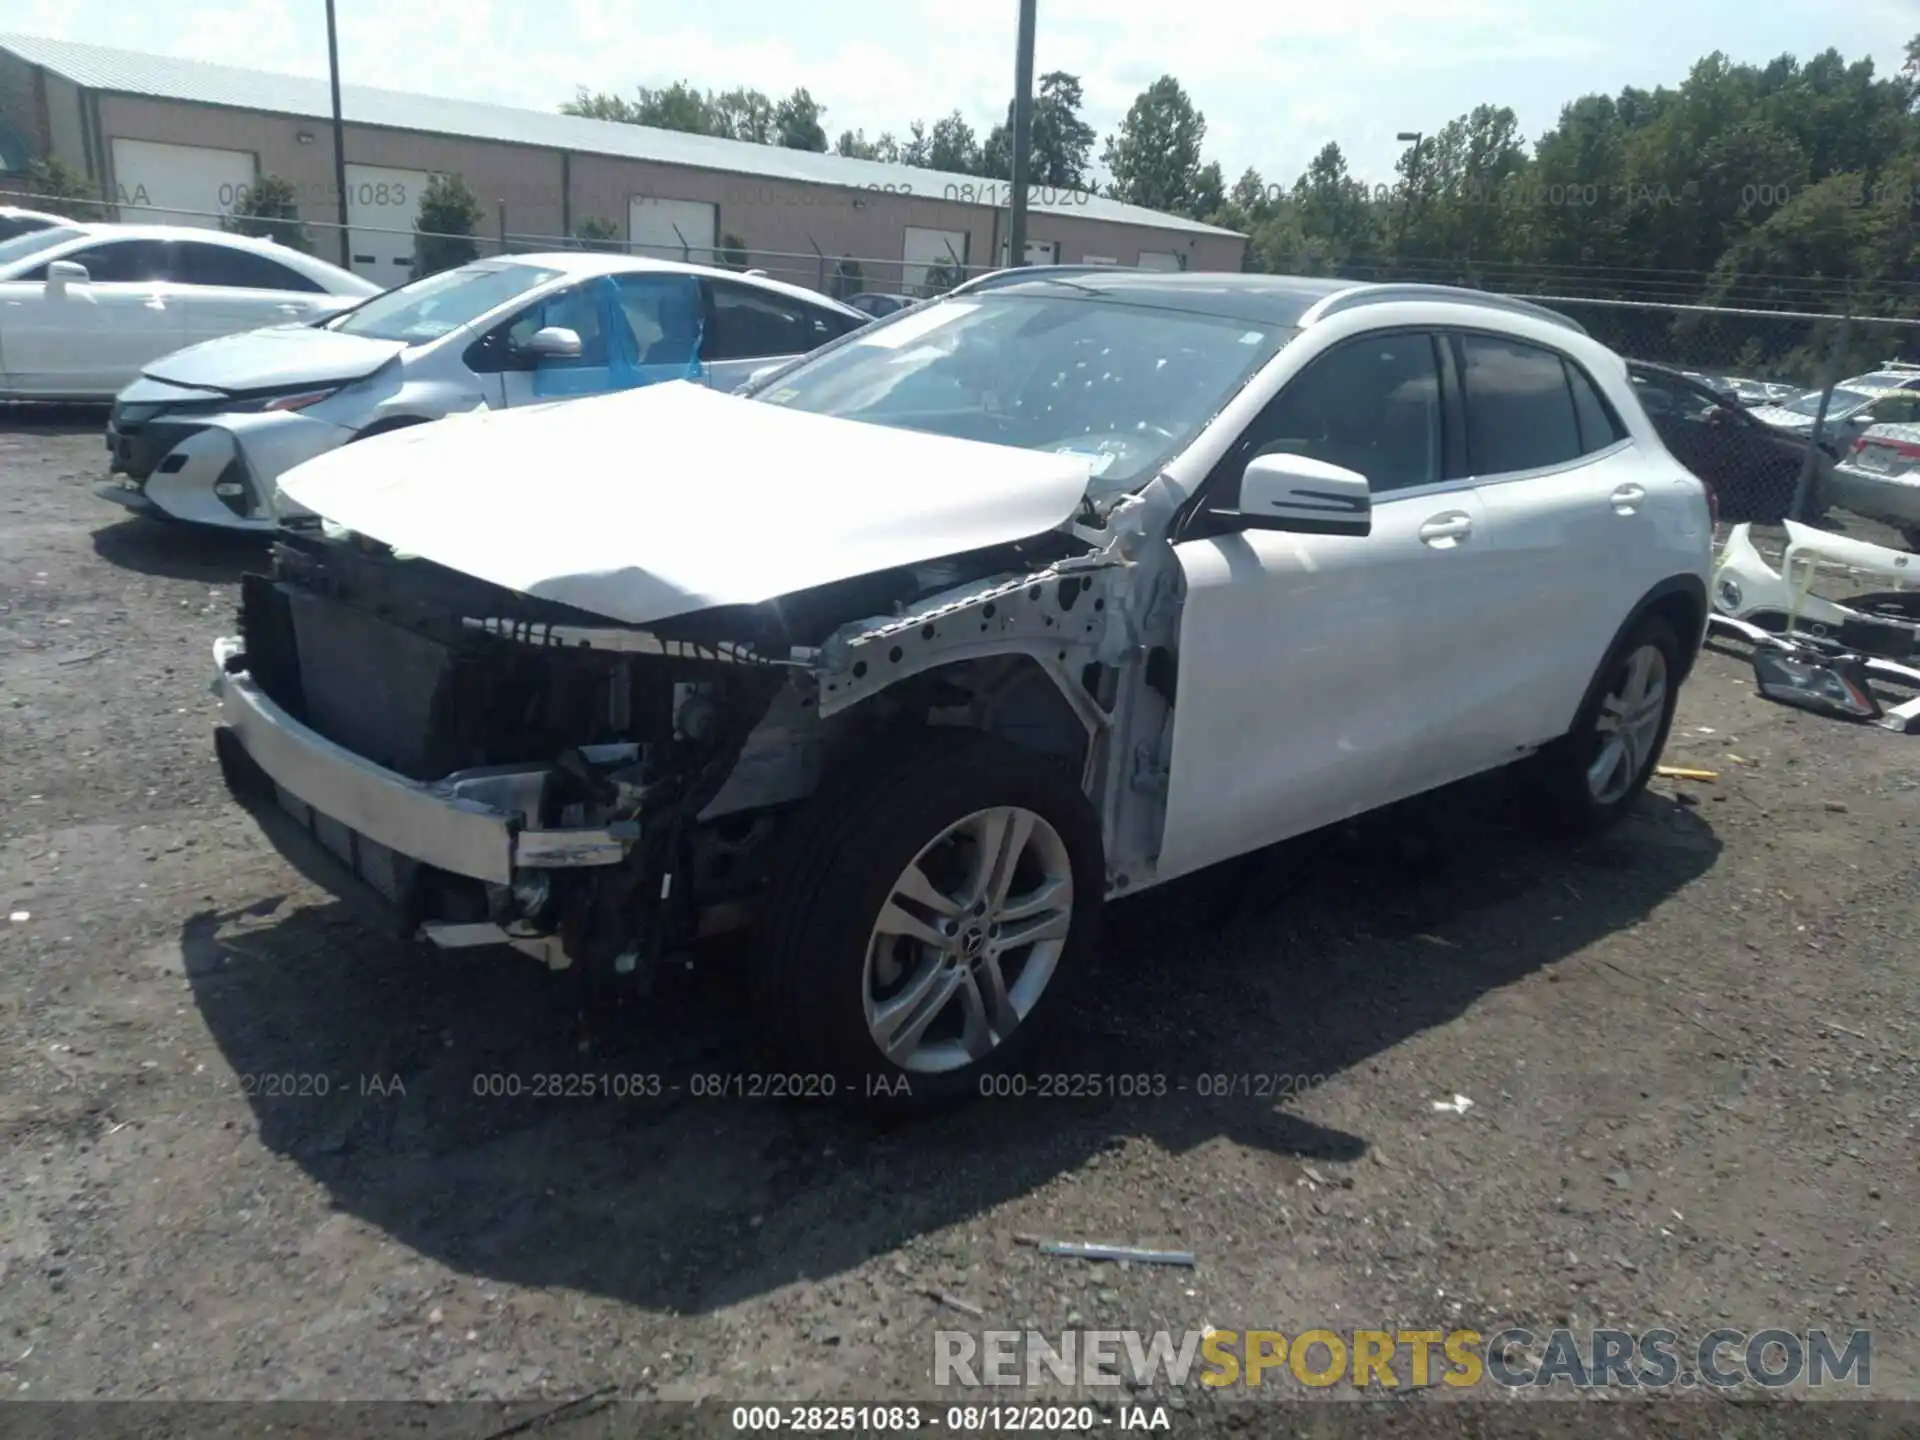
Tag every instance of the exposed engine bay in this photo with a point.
(649, 769)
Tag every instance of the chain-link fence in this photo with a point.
(1781, 412)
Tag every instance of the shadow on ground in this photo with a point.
(1306, 959)
(180, 552)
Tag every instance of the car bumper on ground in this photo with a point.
(1892, 499)
(385, 827)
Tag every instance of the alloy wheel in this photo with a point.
(968, 939)
(1628, 725)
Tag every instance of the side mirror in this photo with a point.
(555, 342)
(67, 272)
(1301, 494)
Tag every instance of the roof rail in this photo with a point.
(1899, 365)
(1389, 292)
(1012, 273)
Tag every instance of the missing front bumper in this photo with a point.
(473, 825)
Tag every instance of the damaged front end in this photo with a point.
(504, 769)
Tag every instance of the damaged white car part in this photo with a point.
(1821, 675)
(932, 641)
(1887, 623)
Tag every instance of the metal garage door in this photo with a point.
(382, 205)
(1039, 252)
(1159, 260)
(673, 229)
(928, 250)
(178, 184)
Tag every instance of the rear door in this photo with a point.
(92, 338)
(747, 328)
(1573, 541)
(229, 290)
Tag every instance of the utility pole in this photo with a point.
(1413, 173)
(1022, 136)
(339, 138)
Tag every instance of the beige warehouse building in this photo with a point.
(181, 141)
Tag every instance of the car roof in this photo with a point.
(21, 212)
(1289, 300)
(582, 263)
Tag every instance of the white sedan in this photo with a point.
(204, 434)
(83, 307)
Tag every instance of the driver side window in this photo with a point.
(1372, 404)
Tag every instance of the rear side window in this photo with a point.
(1520, 411)
(750, 324)
(236, 269)
(1599, 426)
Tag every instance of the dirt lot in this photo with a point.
(1693, 1052)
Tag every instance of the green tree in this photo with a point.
(673, 107)
(61, 189)
(1154, 158)
(1060, 153)
(270, 209)
(742, 114)
(855, 145)
(797, 123)
(443, 232)
(952, 148)
(596, 232)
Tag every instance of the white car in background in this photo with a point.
(15, 221)
(1889, 396)
(1880, 479)
(84, 306)
(204, 434)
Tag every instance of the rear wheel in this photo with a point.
(1591, 776)
(927, 927)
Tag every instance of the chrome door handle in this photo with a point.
(1445, 530)
(1628, 497)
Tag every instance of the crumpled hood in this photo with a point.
(273, 359)
(656, 502)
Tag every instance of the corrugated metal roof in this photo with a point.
(97, 67)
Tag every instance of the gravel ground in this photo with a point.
(245, 1151)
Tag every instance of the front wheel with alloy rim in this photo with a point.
(931, 921)
(1591, 777)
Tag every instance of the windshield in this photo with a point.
(1125, 385)
(428, 308)
(34, 241)
(1844, 402)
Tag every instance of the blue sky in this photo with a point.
(1276, 79)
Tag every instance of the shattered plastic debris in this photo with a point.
(1458, 1105)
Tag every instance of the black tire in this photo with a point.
(1567, 802)
(245, 780)
(841, 860)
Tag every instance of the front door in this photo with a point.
(1323, 676)
(635, 329)
(91, 338)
